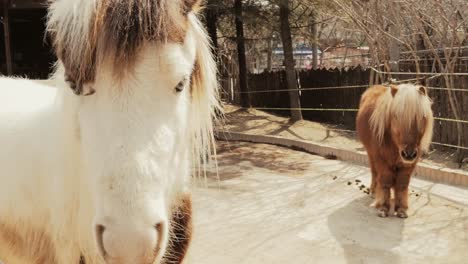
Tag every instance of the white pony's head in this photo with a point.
(150, 65)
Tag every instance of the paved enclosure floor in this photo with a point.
(276, 205)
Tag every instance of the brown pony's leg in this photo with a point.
(382, 190)
(401, 192)
(401, 201)
(181, 232)
(382, 199)
(374, 176)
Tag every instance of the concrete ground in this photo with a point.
(276, 205)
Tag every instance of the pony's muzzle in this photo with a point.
(121, 245)
(409, 154)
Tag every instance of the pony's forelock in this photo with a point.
(70, 24)
(85, 32)
(410, 105)
(407, 105)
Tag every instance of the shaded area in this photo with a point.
(241, 158)
(363, 242)
(31, 51)
(257, 122)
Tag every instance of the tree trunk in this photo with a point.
(211, 17)
(269, 55)
(394, 48)
(420, 45)
(211, 21)
(244, 96)
(291, 80)
(315, 40)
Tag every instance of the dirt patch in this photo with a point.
(242, 156)
(261, 123)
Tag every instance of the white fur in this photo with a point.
(119, 158)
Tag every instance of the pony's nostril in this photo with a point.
(409, 154)
(99, 240)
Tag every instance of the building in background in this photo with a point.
(302, 53)
(344, 56)
(24, 48)
(340, 56)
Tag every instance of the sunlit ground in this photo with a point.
(275, 205)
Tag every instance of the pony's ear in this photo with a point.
(422, 90)
(191, 5)
(393, 90)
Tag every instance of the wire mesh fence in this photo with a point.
(332, 96)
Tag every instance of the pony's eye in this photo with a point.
(181, 85)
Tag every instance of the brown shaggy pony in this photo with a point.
(394, 123)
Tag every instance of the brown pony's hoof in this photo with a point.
(382, 212)
(401, 214)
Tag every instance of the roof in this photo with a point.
(296, 51)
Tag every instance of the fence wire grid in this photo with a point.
(354, 110)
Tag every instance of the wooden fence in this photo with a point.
(342, 89)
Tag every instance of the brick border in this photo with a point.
(423, 171)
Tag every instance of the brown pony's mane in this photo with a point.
(114, 30)
(407, 103)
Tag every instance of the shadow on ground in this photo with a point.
(243, 157)
(260, 122)
(364, 237)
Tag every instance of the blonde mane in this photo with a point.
(205, 100)
(407, 104)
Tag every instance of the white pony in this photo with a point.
(104, 178)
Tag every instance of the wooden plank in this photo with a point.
(27, 4)
(6, 30)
